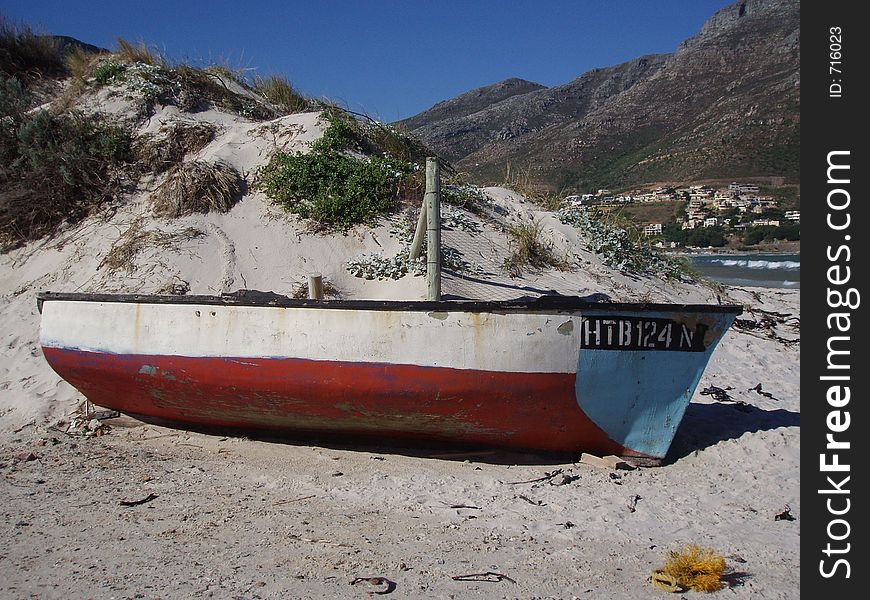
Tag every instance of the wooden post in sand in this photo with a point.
(419, 234)
(315, 286)
(433, 228)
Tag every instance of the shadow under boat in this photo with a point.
(703, 426)
(362, 443)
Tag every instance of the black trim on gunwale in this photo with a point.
(255, 298)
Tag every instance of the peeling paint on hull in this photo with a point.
(516, 410)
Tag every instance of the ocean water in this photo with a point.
(762, 270)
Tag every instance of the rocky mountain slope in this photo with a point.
(725, 104)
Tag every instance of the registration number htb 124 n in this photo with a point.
(640, 333)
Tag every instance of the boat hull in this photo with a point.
(548, 379)
(524, 410)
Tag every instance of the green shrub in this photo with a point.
(622, 247)
(109, 71)
(67, 144)
(759, 233)
(704, 237)
(14, 102)
(14, 99)
(335, 188)
(61, 167)
(342, 133)
(332, 188)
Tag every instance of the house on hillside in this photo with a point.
(653, 229)
(743, 188)
(578, 200)
(697, 192)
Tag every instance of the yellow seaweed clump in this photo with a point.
(696, 568)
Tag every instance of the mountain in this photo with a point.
(726, 104)
(473, 101)
(66, 43)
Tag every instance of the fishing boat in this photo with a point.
(551, 374)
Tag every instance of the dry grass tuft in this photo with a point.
(399, 144)
(531, 250)
(160, 152)
(198, 187)
(27, 55)
(696, 568)
(201, 88)
(279, 91)
(523, 182)
(176, 287)
(138, 53)
(226, 73)
(80, 63)
(121, 256)
(329, 290)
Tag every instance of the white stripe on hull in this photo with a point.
(513, 342)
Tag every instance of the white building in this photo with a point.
(744, 188)
(578, 200)
(653, 229)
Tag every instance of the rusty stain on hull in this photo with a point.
(566, 328)
(515, 410)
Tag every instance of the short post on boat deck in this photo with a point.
(315, 286)
(433, 228)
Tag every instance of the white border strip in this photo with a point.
(511, 342)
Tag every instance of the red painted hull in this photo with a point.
(536, 411)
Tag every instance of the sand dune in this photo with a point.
(236, 517)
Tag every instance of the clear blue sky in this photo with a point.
(389, 58)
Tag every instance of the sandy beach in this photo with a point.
(122, 509)
(236, 517)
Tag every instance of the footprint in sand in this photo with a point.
(228, 254)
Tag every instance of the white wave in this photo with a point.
(786, 265)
